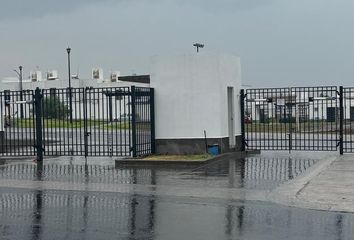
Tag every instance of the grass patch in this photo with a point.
(65, 123)
(125, 126)
(314, 126)
(187, 158)
(53, 123)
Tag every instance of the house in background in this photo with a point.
(282, 105)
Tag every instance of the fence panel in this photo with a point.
(18, 123)
(297, 118)
(144, 119)
(109, 123)
(79, 122)
(316, 123)
(268, 118)
(348, 119)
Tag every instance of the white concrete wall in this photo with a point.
(64, 83)
(191, 94)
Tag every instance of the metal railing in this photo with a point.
(298, 118)
(115, 121)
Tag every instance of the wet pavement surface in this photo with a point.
(257, 172)
(40, 213)
(82, 215)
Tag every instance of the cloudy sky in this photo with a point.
(280, 42)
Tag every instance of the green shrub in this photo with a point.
(54, 108)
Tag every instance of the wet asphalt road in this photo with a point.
(53, 214)
(82, 215)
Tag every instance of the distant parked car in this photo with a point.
(248, 119)
(125, 117)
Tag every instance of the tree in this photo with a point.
(54, 108)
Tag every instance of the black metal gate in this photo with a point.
(347, 123)
(115, 121)
(297, 118)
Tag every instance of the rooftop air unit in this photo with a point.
(52, 75)
(114, 76)
(97, 74)
(36, 76)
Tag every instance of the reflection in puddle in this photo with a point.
(52, 215)
(37, 214)
(250, 173)
(86, 215)
(255, 172)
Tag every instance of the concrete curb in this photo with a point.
(135, 161)
(288, 193)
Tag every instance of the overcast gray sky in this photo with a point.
(280, 42)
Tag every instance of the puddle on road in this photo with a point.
(254, 172)
(50, 214)
(39, 214)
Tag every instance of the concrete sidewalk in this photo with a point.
(329, 185)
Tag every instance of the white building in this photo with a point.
(193, 93)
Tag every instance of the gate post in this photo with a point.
(242, 109)
(290, 101)
(152, 120)
(341, 120)
(133, 120)
(86, 134)
(38, 96)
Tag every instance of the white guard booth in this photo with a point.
(196, 93)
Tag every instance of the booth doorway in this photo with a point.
(231, 116)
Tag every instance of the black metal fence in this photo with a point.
(115, 121)
(18, 122)
(347, 123)
(298, 118)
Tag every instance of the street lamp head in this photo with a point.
(199, 45)
(68, 50)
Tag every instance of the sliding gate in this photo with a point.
(299, 118)
(116, 121)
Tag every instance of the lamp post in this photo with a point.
(21, 88)
(68, 50)
(198, 45)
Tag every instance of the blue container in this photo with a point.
(213, 149)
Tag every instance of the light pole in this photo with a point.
(198, 45)
(68, 50)
(21, 88)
